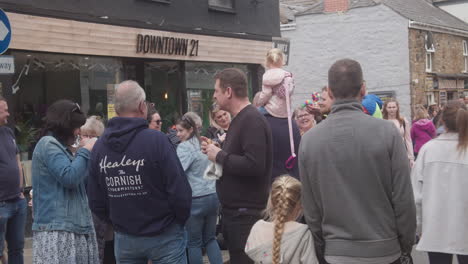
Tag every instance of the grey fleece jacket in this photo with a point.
(357, 193)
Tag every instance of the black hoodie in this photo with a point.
(136, 180)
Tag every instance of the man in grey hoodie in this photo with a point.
(357, 194)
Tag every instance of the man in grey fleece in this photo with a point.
(357, 195)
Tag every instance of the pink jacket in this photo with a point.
(422, 131)
(273, 95)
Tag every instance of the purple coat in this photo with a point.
(422, 131)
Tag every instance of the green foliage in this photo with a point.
(26, 135)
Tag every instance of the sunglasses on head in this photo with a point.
(188, 120)
(76, 109)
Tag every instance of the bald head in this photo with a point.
(129, 99)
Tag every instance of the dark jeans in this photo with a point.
(442, 258)
(236, 229)
(12, 223)
(166, 248)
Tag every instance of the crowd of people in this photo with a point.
(345, 179)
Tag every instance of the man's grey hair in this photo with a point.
(2, 98)
(128, 97)
(196, 118)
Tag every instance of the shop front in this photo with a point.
(446, 87)
(57, 58)
(66, 59)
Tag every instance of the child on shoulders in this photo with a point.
(276, 83)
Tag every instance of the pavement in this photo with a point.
(418, 256)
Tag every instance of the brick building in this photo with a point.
(410, 50)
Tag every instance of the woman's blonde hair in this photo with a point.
(93, 125)
(455, 118)
(275, 57)
(284, 201)
(420, 112)
(212, 115)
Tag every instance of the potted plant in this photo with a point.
(26, 136)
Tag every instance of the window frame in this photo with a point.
(231, 10)
(429, 40)
(429, 61)
(465, 55)
(426, 40)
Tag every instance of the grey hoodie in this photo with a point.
(297, 244)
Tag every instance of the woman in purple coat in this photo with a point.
(422, 130)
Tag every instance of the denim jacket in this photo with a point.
(195, 163)
(60, 201)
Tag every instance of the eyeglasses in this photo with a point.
(158, 121)
(303, 116)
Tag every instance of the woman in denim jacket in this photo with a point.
(201, 225)
(63, 229)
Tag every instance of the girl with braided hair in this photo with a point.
(282, 239)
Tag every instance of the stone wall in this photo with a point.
(447, 59)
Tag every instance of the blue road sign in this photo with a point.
(5, 32)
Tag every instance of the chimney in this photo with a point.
(331, 6)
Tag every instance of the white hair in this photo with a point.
(128, 96)
(93, 125)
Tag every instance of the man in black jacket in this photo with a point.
(246, 159)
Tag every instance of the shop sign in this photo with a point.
(7, 65)
(5, 32)
(284, 45)
(167, 45)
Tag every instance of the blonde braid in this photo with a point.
(283, 203)
(280, 219)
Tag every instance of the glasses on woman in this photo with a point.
(303, 116)
(159, 121)
(84, 135)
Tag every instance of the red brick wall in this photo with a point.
(331, 6)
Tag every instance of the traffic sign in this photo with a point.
(5, 32)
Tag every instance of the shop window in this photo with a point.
(40, 79)
(200, 85)
(443, 97)
(164, 88)
(430, 100)
(430, 50)
(465, 55)
(221, 5)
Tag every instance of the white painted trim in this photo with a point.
(435, 28)
(287, 27)
(465, 48)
